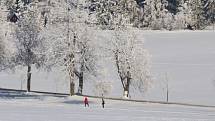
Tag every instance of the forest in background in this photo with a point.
(145, 14)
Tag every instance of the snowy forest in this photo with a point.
(48, 34)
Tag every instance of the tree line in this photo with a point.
(156, 14)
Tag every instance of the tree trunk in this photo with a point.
(127, 85)
(29, 79)
(125, 94)
(126, 90)
(72, 88)
(71, 81)
(81, 83)
(118, 68)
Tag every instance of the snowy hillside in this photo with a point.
(185, 58)
(17, 106)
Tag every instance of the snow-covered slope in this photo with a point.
(185, 58)
(17, 106)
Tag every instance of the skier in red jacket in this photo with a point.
(86, 102)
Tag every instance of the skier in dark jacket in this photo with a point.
(103, 103)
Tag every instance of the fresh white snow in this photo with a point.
(16, 106)
(188, 58)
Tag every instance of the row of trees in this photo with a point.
(157, 14)
(58, 34)
(147, 14)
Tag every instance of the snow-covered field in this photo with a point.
(185, 58)
(188, 59)
(18, 106)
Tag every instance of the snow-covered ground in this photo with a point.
(185, 58)
(188, 60)
(18, 106)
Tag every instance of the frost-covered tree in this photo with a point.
(2, 44)
(183, 18)
(210, 11)
(2, 54)
(155, 15)
(173, 5)
(132, 61)
(5, 35)
(198, 16)
(85, 59)
(16, 7)
(111, 12)
(59, 40)
(29, 43)
(70, 49)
